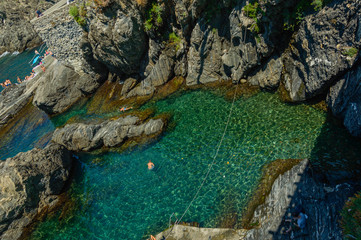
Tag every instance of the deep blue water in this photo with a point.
(33, 129)
(15, 65)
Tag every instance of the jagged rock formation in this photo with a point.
(29, 182)
(321, 202)
(215, 41)
(61, 87)
(82, 137)
(320, 50)
(344, 100)
(16, 32)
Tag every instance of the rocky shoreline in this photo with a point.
(30, 182)
(320, 59)
(322, 203)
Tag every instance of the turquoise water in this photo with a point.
(14, 65)
(118, 198)
(33, 130)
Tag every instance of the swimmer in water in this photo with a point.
(150, 165)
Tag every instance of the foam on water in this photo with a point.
(4, 54)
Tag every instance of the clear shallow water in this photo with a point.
(31, 130)
(14, 65)
(120, 199)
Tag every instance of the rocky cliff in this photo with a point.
(30, 182)
(300, 50)
(16, 32)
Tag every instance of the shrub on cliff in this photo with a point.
(293, 17)
(79, 16)
(154, 19)
(351, 218)
(252, 10)
(175, 40)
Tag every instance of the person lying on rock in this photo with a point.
(298, 221)
(123, 109)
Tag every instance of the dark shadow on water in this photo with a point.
(331, 176)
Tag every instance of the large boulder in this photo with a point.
(117, 37)
(324, 47)
(29, 182)
(87, 137)
(61, 87)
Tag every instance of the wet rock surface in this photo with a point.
(87, 137)
(30, 181)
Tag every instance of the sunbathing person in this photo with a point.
(123, 109)
(7, 82)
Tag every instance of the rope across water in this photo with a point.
(219, 146)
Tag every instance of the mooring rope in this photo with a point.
(219, 145)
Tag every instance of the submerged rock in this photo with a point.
(29, 182)
(87, 137)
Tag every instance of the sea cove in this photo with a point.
(116, 195)
(249, 110)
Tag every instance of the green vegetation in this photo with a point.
(174, 39)
(154, 19)
(78, 15)
(350, 52)
(351, 218)
(252, 10)
(317, 4)
(293, 17)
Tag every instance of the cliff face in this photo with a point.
(16, 32)
(153, 41)
(29, 182)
